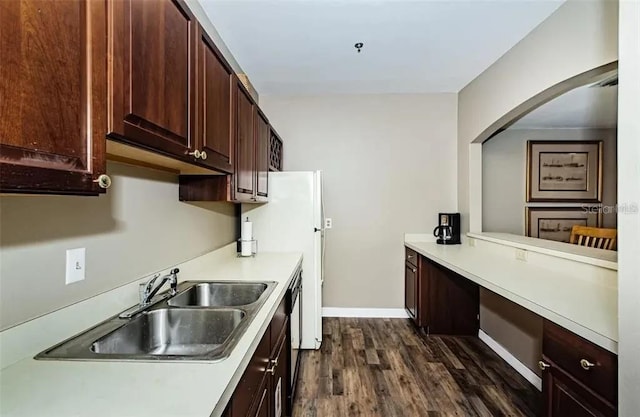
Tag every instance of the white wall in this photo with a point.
(578, 37)
(629, 223)
(137, 228)
(504, 166)
(389, 167)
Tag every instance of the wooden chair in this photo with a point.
(594, 237)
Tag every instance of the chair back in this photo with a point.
(594, 237)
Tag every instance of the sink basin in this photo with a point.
(203, 322)
(178, 332)
(216, 294)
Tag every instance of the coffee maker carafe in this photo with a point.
(448, 229)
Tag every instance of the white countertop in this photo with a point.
(586, 306)
(33, 388)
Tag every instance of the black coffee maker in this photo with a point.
(448, 229)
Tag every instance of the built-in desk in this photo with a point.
(577, 300)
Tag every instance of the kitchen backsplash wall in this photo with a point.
(137, 228)
(504, 166)
(389, 166)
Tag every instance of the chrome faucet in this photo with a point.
(150, 291)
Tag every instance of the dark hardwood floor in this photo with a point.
(384, 367)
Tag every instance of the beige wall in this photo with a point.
(629, 223)
(579, 36)
(137, 228)
(389, 167)
(504, 166)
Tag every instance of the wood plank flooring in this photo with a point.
(386, 368)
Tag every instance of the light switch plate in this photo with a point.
(75, 265)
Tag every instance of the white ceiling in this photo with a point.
(307, 46)
(583, 107)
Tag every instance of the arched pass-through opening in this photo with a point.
(543, 97)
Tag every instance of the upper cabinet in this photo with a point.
(153, 83)
(214, 133)
(132, 80)
(249, 183)
(53, 89)
(245, 177)
(262, 137)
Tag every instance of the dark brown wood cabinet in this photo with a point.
(263, 388)
(53, 88)
(152, 97)
(245, 177)
(262, 139)
(214, 124)
(249, 183)
(579, 378)
(439, 300)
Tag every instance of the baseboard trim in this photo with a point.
(521, 368)
(393, 313)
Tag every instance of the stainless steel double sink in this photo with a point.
(203, 321)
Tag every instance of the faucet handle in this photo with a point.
(175, 271)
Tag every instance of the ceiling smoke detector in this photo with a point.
(359, 46)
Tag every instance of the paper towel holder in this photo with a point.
(254, 248)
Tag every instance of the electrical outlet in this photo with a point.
(75, 265)
(328, 223)
(521, 255)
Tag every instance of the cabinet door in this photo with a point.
(245, 146)
(262, 404)
(564, 396)
(263, 133)
(252, 382)
(410, 290)
(153, 75)
(279, 378)
(214, 135)
(53, 89)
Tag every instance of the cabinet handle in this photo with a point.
(104, 181)
(586, 365)
(203, 155)
(543, 365)
(272, 367)
(196, 154)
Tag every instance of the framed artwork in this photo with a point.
(555, 223)
(564, 171)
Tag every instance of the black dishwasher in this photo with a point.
(294, 310)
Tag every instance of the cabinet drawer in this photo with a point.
(568, 351)
(411, 256)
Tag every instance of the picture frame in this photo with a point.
(554, 223)
(564, 171)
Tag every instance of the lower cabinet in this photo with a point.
(439, 300)
(263, 388)
(578, 378)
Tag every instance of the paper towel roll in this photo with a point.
(246, 230)
(245, 247)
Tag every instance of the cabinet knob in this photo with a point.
(543, 365)
(196, 154)
(413, 270)
(586, 365)
(409, 256)
(104, 181)
(203, 155)
(272, 367)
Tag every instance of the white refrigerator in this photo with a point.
(292, 221)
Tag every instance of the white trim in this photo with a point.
(393, 313)
(521, 368)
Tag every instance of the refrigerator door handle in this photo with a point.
(315, 229)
